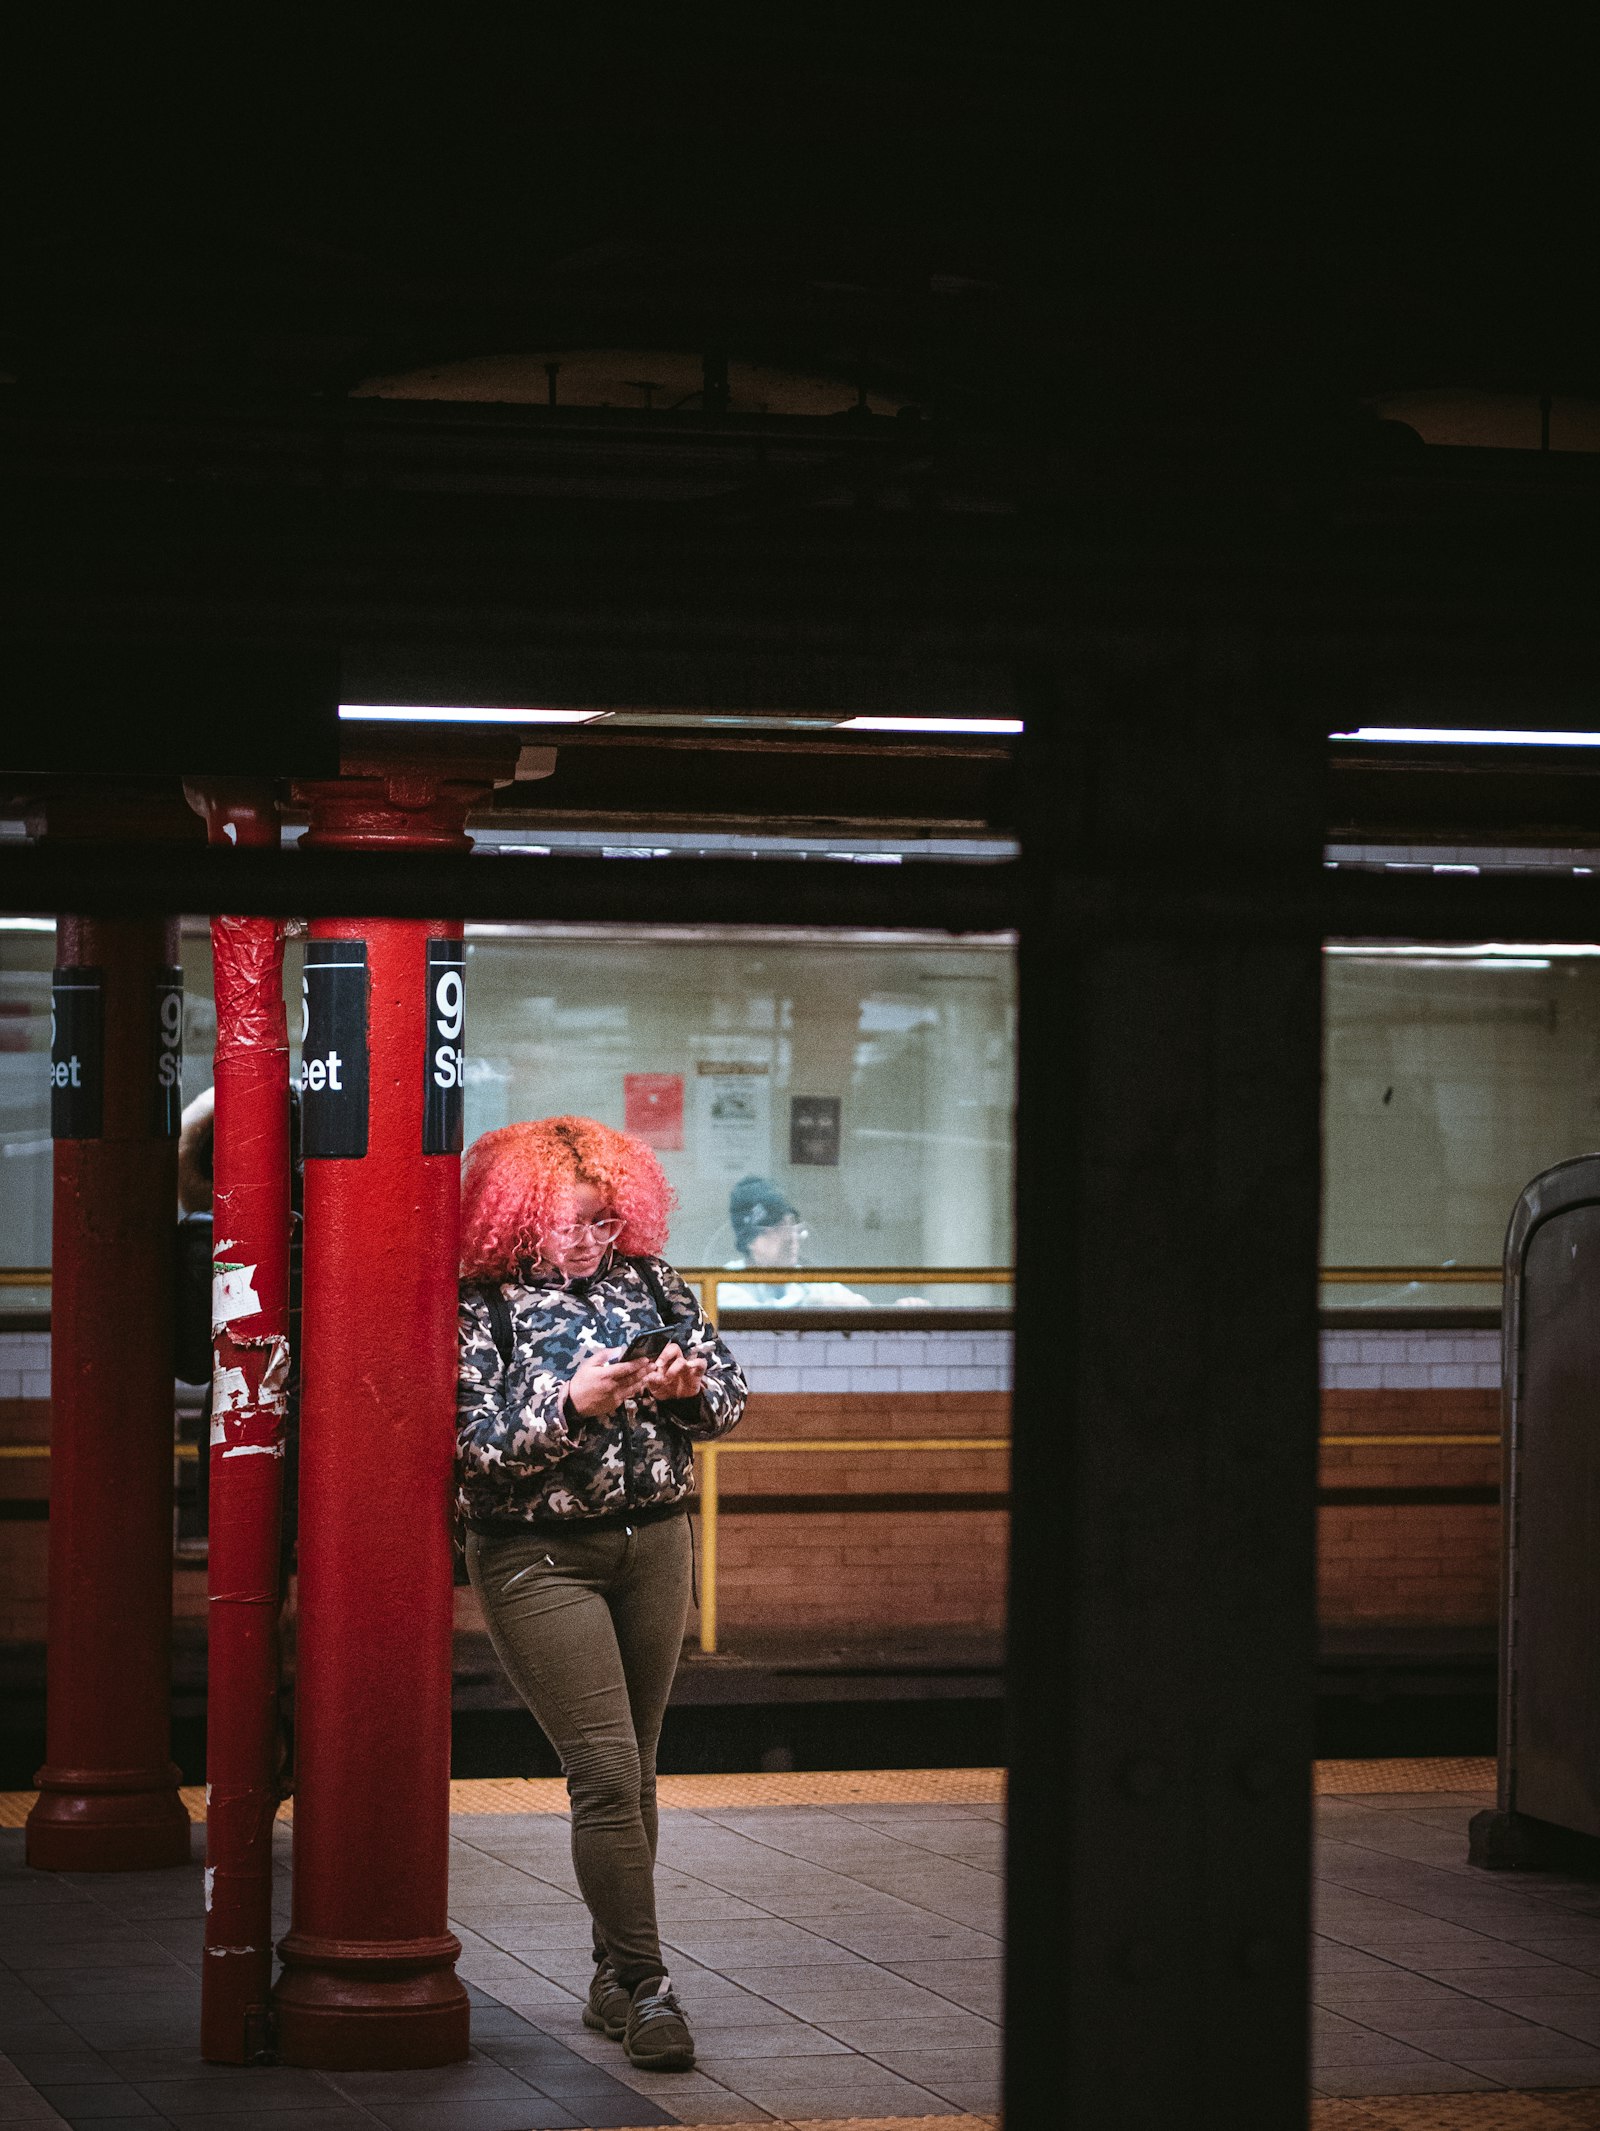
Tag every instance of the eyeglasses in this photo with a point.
(603, 1228)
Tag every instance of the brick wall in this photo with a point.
(1430, 1562)
(23, 1543)
(830, 1567)
(25, 1481)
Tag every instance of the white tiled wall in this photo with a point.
(24, 1364)
(968, 1361)
(874, 1361)
(1411, 1361)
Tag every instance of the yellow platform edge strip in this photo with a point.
(1547, 2109)
(891, 1786)
(840, 2123)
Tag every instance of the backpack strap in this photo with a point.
(652, 1280)
(500, 1327)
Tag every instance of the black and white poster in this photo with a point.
(77, 1052)
(443, 1066)
(814, 1131)
(333, 1050)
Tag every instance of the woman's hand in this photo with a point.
(601, 1382)
(673, 1375)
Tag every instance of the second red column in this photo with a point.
(369, 1977)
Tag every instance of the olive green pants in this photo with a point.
(589, 1626)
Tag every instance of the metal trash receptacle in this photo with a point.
(1549, 1747)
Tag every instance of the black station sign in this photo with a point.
(168, 1111)
(333, 1050)
(442, 1067)
(77, 1052)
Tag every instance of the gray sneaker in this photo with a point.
(657, 2037)
(609, 2004)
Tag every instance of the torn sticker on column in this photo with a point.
(230, 1393)
(275, 1376)
(240, 1407)
(233, 1294)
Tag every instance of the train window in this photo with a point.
(859, 1087)
(1453, 1075)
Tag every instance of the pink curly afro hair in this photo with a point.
(523, 1179)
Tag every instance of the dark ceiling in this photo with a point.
(1035, 226)
(1096, 263)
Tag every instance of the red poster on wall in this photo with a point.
(652, 1109)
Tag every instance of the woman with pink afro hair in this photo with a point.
(588, 1373)
(521, 1182)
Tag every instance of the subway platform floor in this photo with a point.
(835, 1939)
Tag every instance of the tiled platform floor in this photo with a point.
(840, 1959)
(1431, 1977)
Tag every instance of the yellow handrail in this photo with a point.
(708, 1456)
(710, 1279)
(1411, 1276)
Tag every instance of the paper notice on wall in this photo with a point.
(732, 1117)
(652, 1109)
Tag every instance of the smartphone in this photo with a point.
(649, 1344)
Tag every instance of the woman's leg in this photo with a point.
(650, 1608)
(545, 1601)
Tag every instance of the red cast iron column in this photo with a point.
(108, 1792)
(250, 1327)
(369, 1965)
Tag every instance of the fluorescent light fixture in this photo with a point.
(27, 924)
(442, 714)
(929, 725)
(1466, 736)
(1484, 954)
(1469, 962)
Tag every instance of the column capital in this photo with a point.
(235, 810)
(391, 809)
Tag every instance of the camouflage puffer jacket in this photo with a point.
(521, 1453)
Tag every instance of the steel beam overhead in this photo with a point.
(1202, 897)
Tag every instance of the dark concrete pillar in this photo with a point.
(1162, 1595)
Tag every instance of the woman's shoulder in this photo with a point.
(651, 1263)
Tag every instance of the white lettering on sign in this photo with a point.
(449, 1066)
(450, 1001)
(323, 1073)
(67, 1072)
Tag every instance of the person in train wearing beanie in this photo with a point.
(574, 1473)
(768, 1233)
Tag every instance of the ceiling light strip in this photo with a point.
(1463, 736)
(443, 714)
